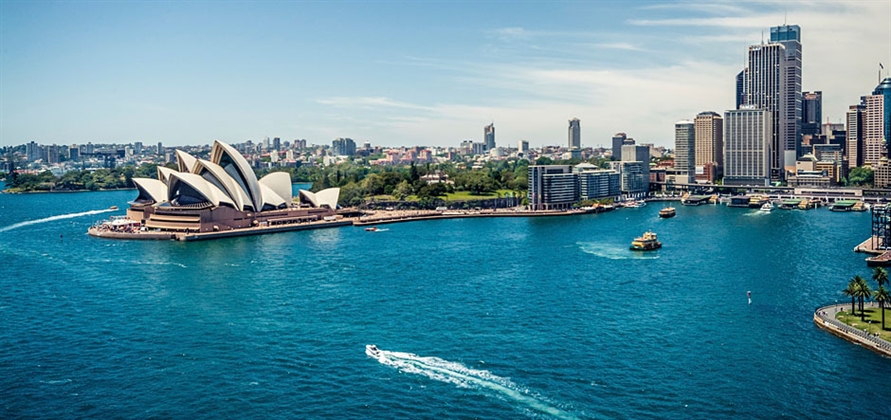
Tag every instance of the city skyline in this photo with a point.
(403, 74)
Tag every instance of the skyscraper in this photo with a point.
(854, 135)
(789, 36)
(489, 136)
(343, 146)
(884, 89)
(747, 141)
(684, 150)
(811, 113)
(522, 146)
(575, 134)
(873, 129)
(709, 133)
(772, 81)
(740, 89)
(618, 141)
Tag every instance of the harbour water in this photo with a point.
(475, 318)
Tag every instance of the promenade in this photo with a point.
(824, 317)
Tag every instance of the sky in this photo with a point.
(405, 73)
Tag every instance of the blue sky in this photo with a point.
(404, 73)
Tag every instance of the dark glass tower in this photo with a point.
(811, 113)
(884, 89)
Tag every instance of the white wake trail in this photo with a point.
(53, 218)
(462, 376)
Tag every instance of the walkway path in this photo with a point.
(824, 317)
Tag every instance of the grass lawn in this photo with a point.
(466, 195)
(873, 314)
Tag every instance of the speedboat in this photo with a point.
(371, 229)
(113, 208)
(766, 207)
(372, 350)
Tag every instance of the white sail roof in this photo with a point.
(280, 182)
(207, 191)
(151, 189)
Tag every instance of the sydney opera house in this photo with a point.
(222, 194)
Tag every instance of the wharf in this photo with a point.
(200, 236)
(410, 216)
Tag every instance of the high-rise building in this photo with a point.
(618, 141)
(789, 36)
(854, 135)
(343, 146)
(160, 148)
(73, 153)
(747, 141)
(873, 129)
(685, 150)
(740, 89)
(709, 134)
(811, 113)
(634, 176)
(522, 146)
(884, 89)
(772, 81)
(276, 143)
(137, 147)
(489, 136)
(599, 183)
(32, 151)
(575, 134)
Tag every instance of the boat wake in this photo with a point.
(615, 253)
(52, 219)
(463, 377)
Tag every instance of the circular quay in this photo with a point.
(302, 210)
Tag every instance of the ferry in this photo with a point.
(667, 212)
(647, 242)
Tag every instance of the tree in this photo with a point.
(882, 296)
(851, 291)
(880, 275)
(861, 176)
(402, 190)
(863, 292)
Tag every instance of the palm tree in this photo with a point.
(880, 275)
(882, 296)
(863, 293)
(851, 291)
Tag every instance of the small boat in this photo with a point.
(766, 207)
(647, 242)
(113, 208)
(371, 229)
(372, 350)
(635, 204)
(667, 212)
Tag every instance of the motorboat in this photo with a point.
(667, 212)
(371, 229)
(647, 242)
(372, 350)
(113, 208)
(766, 207)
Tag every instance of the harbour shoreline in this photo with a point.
(824, 318)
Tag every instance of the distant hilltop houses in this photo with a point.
(272, 153)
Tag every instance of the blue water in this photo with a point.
(477, 318)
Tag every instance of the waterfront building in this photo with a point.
(807, 174)
(634, 176)
(747, 140)
(489, 136)
(709, 145)
(618, 141)
(221, 194)
(684, 151)
(575, 134)
(343, 146)
(599, 183)
(552, 187)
